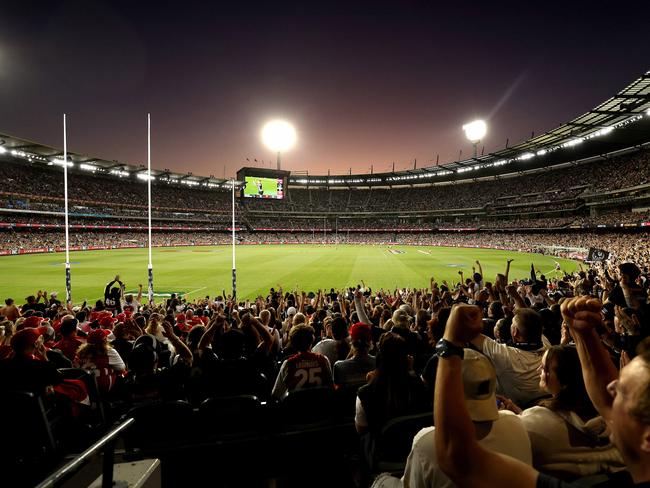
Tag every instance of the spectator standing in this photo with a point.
(517, 364)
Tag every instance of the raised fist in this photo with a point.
(582, 314)
(464, 324)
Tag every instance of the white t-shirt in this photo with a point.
(517, 376)
(329, 348)
(564, 443)
(507, 436)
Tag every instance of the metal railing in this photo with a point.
(106, 444)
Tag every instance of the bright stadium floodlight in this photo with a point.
(278, 136)
(475, 131)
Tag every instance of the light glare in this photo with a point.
(475, 130)
(278, 135)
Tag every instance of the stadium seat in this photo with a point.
(310, 407)
(394, 442)
(233, 418)
(96, 400)
(160, 427)
(29, 449)
(345, 398)
(306, 428)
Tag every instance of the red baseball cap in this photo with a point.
(360, 332)
(22, 339)
(31, 322)
(97, 336)
(107, 322)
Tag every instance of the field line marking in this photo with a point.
(194, 291)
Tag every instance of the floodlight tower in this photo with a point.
(475, 131)
(278, 136)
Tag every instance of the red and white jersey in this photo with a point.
(302, 370)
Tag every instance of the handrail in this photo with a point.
(76, 464)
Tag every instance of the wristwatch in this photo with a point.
(445, 349)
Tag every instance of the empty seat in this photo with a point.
(160, 426)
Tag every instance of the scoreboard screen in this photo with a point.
(261, 187)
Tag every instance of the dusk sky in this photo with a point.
(365, 83)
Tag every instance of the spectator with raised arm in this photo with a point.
(113, 295)
(622, 400)
(516, 364)
(496, 430)
(568, 437)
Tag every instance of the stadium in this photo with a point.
(467, 323)
(548, 195)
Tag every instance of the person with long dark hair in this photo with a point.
(393, 391)
(567, 436)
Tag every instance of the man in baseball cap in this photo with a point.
(352, 372)
(69, 342)
(496, 430)
(25, 371)
(621, 398)
(30, 322)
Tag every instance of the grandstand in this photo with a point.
(591, 174)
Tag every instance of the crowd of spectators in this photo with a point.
(622, 246)
(30, 181)
(518, 392)
(29, 187)
(612, 218)
(42, 239)
(496, 359)
(519, 383)
(107, 222)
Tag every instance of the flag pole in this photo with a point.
(68, 287)
(150, 266)
(234, 267)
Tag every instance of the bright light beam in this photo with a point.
(475, 130)
(279, 135)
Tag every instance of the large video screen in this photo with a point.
(259, 187)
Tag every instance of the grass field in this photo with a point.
(199, 271)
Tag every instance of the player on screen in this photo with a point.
(260, 188)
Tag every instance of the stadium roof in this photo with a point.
(615, 118)
(40, 154)
(622, 121)
(629, 105)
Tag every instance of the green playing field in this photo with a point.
(200, 271)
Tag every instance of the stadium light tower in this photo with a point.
(278, 136)
(475, 131)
